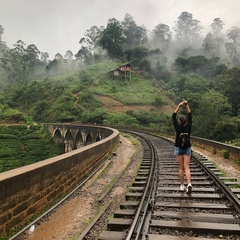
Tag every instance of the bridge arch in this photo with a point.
(73, 136)
(79, 140)
(57, 135)
(68, 141)
(89, 139)
(98, 138)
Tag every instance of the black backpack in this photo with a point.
(184, 139)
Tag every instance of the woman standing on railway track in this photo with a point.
(182, 150)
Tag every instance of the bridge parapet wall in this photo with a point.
(217, 147)
(210, 145)
(28, 190)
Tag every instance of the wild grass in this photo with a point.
(138, 91)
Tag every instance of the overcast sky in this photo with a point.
(56, 26)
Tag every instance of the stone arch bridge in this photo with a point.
(75, 136)
(35, 187)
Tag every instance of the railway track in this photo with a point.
(104, 198)
(155, 209)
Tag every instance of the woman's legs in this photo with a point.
(186, 163)
(180, 161)
(184, 166)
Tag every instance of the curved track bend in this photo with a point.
(155, 209)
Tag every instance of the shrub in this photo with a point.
(225, 153)
(158, 101)
(214, 151)
(98, 116)
(120, 119)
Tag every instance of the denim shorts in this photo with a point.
(182, 151)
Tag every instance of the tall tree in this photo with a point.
(210, 46)
(31, 59)
(228, 84)
(56, 66)
(134, 34)
(91, 40)
(161, 37)
(44, 56)
(187, 30)
(216, 107)
(23, 64)
(216, 27)
(69, 60)
(213, 46)
(84, 55)
(112, 39)
(68, 55)
(13, 62)
(213, 43)
(233, 45)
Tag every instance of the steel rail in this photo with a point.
(91, 225)
(226, 191)
(138, 221)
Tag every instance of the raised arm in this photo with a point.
(179, 106)
(187, 106)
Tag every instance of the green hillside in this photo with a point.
(138, 91)
(90, 95)
(76, 97)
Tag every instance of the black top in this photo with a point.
(186, 128)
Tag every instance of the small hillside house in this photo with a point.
(123, 70)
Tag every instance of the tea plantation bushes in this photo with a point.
(22, 145)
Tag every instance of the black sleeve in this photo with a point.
(189, 122)
(174, 120)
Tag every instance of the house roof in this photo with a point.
(126, 64)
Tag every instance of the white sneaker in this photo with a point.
(182, 187)
(189, 188)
